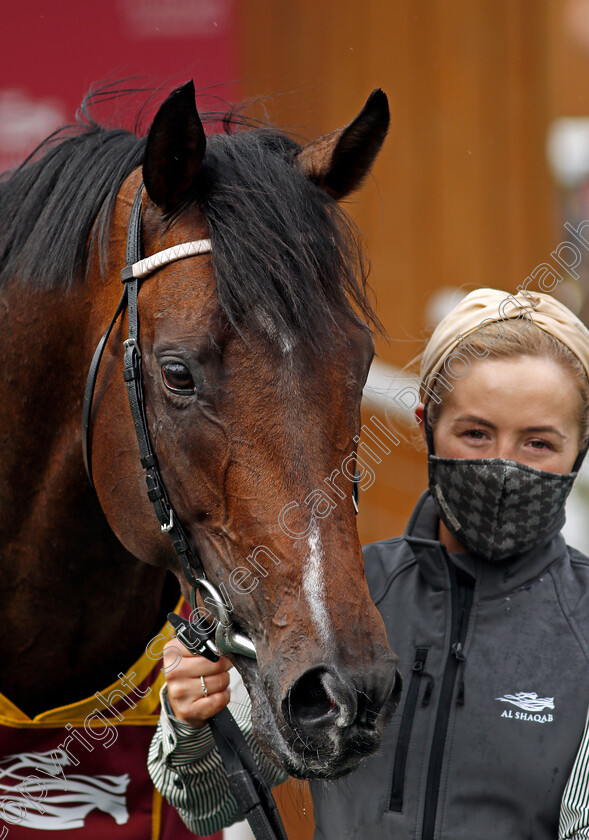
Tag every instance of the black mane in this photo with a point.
(281, 248)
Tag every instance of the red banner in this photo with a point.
(53, 52)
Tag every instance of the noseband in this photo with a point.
(226, 638)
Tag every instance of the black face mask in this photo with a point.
(496, 507)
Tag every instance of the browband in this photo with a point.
(145, 267)
(136, 268)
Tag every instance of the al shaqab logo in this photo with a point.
(532, 706)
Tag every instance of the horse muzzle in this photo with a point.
(335, 717)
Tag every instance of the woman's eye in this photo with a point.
(177, 378)
(475, 434)
(540, 444)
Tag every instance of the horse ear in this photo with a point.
(339, 161)
(175, 149)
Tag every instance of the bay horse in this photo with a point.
(253, 354)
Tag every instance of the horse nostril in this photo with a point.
(317, 695)
(307, 699)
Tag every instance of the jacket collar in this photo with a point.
(493, 579)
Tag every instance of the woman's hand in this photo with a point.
(185, 688)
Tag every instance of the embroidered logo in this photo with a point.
(52, 803)
(531, 706)
(528, 701)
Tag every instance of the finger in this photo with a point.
(177, 658)
(187, 691)
(201, 710)
(173, 655)
(175, 644)
(194, 668)
(212, 684)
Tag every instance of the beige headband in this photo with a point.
(480, 308)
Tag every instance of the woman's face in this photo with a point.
(525, 409)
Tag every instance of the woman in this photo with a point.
(484, 603)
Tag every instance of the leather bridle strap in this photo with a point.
(90, 385)
(248, 786)
(227, 638)
(169, 522)
(134, 271)
(247, 783)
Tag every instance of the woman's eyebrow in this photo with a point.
(471, 418)
(552, 429)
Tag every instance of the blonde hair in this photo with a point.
(513, 341)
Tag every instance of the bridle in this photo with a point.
(246, 782)
(245, 779)
(226, 638)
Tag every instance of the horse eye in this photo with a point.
(177, 378)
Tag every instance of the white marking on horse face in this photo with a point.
(286, 344)
(314, 583)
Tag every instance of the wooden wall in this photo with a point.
(568, 58)
(461, 195)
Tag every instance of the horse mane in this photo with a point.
(281, 247)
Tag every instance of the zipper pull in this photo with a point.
(418, 668)
(420, 658)
(427, 694)
(457, 651)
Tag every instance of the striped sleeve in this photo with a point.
(186, 767)
(574, 809)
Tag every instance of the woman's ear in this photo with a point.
(419, 418)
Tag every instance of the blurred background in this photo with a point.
(487, 156)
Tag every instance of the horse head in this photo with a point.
(253, 360)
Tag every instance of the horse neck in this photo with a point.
(66, 634)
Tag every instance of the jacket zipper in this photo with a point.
(460, 614)
(398, 785)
